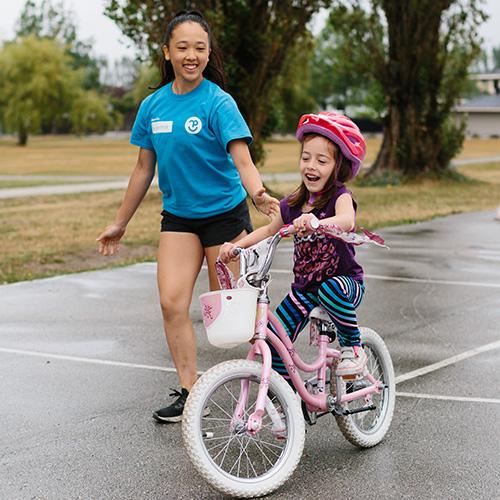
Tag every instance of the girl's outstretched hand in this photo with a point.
(226, 252)
(109, 240)
(266, 204)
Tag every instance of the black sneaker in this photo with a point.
(172, 413)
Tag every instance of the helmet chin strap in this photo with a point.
(312, 198)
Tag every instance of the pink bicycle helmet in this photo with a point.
(339, 129)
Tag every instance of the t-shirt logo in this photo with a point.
(193, 125)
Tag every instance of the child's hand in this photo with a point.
(226, 252)
(303, 224)
(266, 204)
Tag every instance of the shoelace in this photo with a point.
(175, 393)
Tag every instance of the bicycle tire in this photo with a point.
(199, 444)
(350, 425)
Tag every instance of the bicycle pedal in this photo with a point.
(359, 410)
(339, 411)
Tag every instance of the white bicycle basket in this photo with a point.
(229, 316)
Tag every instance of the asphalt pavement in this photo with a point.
(83, 363)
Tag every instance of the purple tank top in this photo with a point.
(316, 258)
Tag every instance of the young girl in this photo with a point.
(325, 269)
(196, 134)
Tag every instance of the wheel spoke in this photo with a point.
(220, 408)
(269, 446)
(249, 461)
(218, 445)
(233, 397)
(256, 444)
(224, 449)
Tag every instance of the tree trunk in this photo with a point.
(22, 136)
(412, 78)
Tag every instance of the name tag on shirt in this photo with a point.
(162, 127)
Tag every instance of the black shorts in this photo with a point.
(214, 230)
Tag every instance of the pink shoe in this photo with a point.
(352, 361)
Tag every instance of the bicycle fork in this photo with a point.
(254, 422)
(259, 348)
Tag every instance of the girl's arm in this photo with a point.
(250, 178)
(138, 185)
(226, 250)
(345, 216)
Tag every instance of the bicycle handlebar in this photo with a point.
(351, 237)
(289, 230)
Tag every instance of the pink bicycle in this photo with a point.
(251, 440)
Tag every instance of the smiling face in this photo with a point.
(317, 162)
(188, 51)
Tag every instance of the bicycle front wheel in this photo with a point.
(224, 453)
(368, 428)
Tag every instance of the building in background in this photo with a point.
(483, 111)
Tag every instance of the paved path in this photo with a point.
(106, 183)
(83, 362)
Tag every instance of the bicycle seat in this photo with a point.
(321, 324)
(320, 314)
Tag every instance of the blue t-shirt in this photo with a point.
(190, 134)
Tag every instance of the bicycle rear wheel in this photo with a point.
(368, 428)
(230, 459)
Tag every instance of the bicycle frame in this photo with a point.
(320, 401)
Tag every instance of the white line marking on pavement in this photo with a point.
(399, 379)
(448, 361)
(447, 398)
(414, 280)
(432, 282)
(87, 360)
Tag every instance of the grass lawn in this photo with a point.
(50, 235)
(69, 155)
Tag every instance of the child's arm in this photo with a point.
(226, 250)
(250, 178)
(345, 217)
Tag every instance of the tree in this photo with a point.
(291, 97)
(336, 82)
(419, 52)
(90, 113)
(495, 56)
(255, 36)
(33, 90)
(39, 90)
(55, 22)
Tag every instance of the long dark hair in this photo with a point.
(215, 68)
(341, 173)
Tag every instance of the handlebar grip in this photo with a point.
(313, 223)
(289, 229)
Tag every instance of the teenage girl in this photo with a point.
(194, 131)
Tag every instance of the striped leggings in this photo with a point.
(339, 296)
